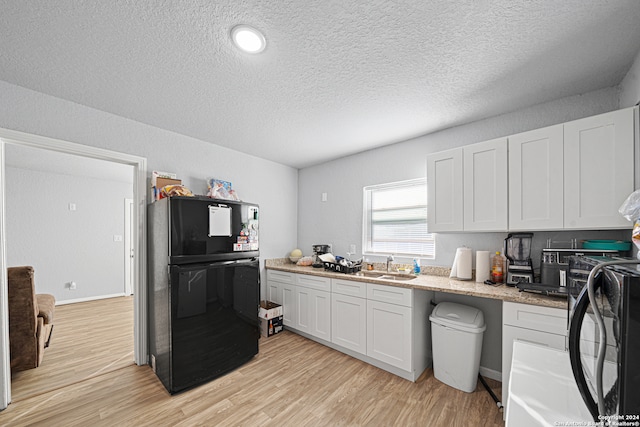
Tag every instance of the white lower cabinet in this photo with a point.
(389, 333)
(281, 290)
(349, 314)
(544, 326)
(349, 322)
(289, 305)
(386, 326)
(313, 312)
(313, 306)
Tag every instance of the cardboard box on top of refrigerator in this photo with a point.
(271, 321)
(159, 180)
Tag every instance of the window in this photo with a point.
(395, 220)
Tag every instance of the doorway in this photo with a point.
(138, 239)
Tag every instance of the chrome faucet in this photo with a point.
(389, 261)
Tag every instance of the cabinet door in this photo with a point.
(485, 186)
(389, 333)
(511, 334)
(289, 304)
(349, 322)
(598, 169)
(313, 312)
(303, 305)
(536, 184)
(274, 292)
(321, 315)
(444, 190)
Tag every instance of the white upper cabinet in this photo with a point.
(467, 188)
(598, 169)
(444, 195)
(485, 186)
(536, 185)
(568, 176)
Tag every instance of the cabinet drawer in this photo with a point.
(390, 294)
(348, 287)
(544, 319)
(280, 276)
(314, 282)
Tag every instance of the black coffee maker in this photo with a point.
(317, 251)
(517, 249)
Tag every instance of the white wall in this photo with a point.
(64, 245)
(630, 85)
(273, 186)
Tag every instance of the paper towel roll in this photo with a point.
(483, 266)
(454, 267)
(463, 264)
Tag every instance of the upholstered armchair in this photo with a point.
(30, 319)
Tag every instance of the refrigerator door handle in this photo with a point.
(198, 266)
(602, 347)
(575, 327)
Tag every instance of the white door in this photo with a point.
(129, 253)
(444, 190)
(289, 304)
(485, 186)
(536, 183)
(321, 315)
(274, 293)
(303, 309)
(598, 169)
(349, 322)
(389, 333)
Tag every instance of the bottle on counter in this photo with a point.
(497, 267)
(416, 266)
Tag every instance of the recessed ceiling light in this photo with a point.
(248, 39)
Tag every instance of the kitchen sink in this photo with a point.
(386, 276)
(398, 276)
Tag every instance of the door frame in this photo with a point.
(139, 164)
(128, 247)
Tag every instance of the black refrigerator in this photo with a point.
(604, 335)
(204, 288)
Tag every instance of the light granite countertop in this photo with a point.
(433, 282)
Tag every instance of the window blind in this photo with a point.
(395, 219)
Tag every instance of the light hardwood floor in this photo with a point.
(291, 382)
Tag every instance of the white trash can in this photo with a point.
(456, 332)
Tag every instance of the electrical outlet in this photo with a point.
(72, 286)
(117, 238)
(352, 248)
(324, 197)
(72, 206)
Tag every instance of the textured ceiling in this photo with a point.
(336, 78)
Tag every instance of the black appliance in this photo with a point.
(317, 251)
(604, 334)
(204, 288)
(554, 263)
(517, 249)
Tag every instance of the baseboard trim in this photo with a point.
(490, 373)
(72, 301)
